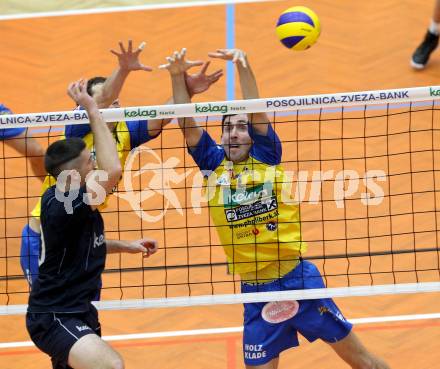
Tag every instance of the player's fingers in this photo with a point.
(163, 66)
(141, 248)
(146, 68)
(243, 59)
(150, 245)
(81, 86)
(217, 72)
(205, 67)
(130, 46)
(194, 63)
(142, 45)
(121, 46)
(70, 89)
(183, 51)
(75, 88)
(115, 52)
(215, 55)
(215, 78)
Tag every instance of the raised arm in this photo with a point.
(177, 66)
(248, 84)
(105, 147)
(128, 61)
(196, 83)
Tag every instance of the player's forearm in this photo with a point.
(155, 125)
(105, 147)
(249, 90)
(248, 83)
(112, 87)
(191, 130)
(115, 246)
(180, 92)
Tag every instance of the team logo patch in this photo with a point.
(279, 311)
(271, 226)
(81, 328)
(231, 215)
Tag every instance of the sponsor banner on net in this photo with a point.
(370, 97)
(434, 91)
(43, 119)
(148, 112)
(221, 108)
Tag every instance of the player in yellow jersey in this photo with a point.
(128, 135)
(260, 232)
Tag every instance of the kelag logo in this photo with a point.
(235, 197)
(209, 108)
(140, 113)
(433, 92)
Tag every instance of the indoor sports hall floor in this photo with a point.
(363, 46)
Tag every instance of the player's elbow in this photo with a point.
(114, 174)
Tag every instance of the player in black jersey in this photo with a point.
(61, 320)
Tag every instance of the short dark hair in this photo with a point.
(94, 81)
(60, 152)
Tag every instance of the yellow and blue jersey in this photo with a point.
(260, 233)
(128, 135)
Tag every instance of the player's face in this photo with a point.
(86, 164)
(235, 138)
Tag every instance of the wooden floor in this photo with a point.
(363, 46)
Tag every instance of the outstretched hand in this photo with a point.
(199, 82)
(78, 93)
(129, 59)
(236, 55)
(178, 64)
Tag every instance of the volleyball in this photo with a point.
(298, 28)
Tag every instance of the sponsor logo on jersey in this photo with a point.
(98, 240)
(254, 351)
(82, 328)
(244, 203)
(279, 311)
(271, 226)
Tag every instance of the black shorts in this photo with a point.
(56, 333)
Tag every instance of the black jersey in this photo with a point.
(72, 257)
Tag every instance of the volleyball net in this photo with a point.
(362, 169)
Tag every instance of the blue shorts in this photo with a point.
(270, 328)
(29, 253)
(55, 334)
